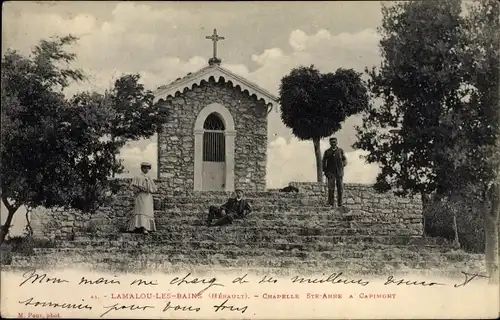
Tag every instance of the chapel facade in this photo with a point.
(216, 137)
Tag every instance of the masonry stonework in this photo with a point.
(401, 212)
(176, 143)
(381, 213)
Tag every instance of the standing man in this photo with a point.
(143, 220)
(234, 208)
(334, 161)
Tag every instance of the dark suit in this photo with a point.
(334, 161)
(232, 209)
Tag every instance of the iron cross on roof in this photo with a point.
(215, 38)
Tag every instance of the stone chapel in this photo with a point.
(216, 138)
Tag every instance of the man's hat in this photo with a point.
(146, 164)
(333, 138)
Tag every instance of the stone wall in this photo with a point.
(176, 143)
(58, 223)
(63, 223)
(403, 212)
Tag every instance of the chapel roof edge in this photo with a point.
(217, 72)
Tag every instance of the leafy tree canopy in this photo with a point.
(53, 151)
(439, 85)
(314, 105)
(135, 113)
(418, 83)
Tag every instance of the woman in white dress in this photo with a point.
(143, 215)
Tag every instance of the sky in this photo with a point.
(163, 41)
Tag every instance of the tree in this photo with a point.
(481, 58)
(45, 139)
(314, 105)
(435, 83)
(136, 115)
(416, 83)
(93, 151)
(30, 95)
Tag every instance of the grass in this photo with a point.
(21, 245)
(456, 256)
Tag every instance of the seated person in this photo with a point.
(234, 208)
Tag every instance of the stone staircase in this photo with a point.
(284, 231)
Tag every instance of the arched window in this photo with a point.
(214, 144)
(213, 122)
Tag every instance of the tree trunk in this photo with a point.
(114, 163)
(490, 218)
(29, 229)
(4, 230)
(319, 163)
(426, 199)
(456, 242)
(114, 158)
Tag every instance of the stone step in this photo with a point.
(216, 200)
(228, 251)
(294, 213)
(161, 239)
(299, 201)
(358, 249)
(299, 214)
(248, 196)
(160, 223)
(235, 259)
(260, 208)
(273, 193)
(255, 207)
(236, 252)
(275, 221)
(241, 231)
(365, 223)
(353, 215)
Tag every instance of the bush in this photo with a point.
(471, 231)
(439, 223)
(5, 254)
